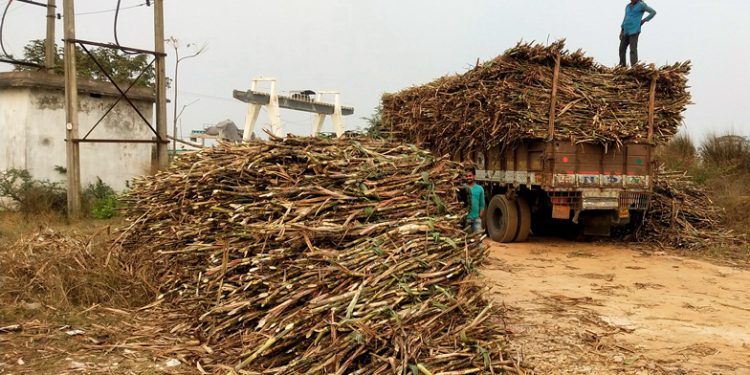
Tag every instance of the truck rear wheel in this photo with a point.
(502, 219)
(524, 219)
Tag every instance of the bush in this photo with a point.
(100, 200)
(679, 153)
(33, 196)
(728, 152)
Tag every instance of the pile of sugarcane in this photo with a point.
(682, 215)
(509, 98)
(318, 256)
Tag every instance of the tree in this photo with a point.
(375, 123)
(122, 67)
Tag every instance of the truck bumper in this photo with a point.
(596, 199)
(600, 200)
(618, 202)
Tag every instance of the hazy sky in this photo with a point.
(365, 48)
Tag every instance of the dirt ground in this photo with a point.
(587, 308)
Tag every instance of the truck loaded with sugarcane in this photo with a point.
(552, 135)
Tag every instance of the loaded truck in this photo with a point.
(554, 137)
(537, 182)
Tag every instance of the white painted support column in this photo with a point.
(338, 118)
(318, 120)
(274, 114)
(253, 110)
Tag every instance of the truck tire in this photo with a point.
(524, 219)
(502, 219)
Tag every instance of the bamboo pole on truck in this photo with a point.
(651, 108)
(553, 101)
(552, 113)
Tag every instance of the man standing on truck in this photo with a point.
(475, 198)
(630, 29)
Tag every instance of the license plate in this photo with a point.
(560, 212)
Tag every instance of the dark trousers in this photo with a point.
(632, 41)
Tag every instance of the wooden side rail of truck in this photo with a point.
(536, 182)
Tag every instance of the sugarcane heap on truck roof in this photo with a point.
(552, 134)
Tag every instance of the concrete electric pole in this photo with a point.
(49, 44)
(162, 153)
(71, 113)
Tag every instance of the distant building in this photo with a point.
(225, 131)
(32, 129)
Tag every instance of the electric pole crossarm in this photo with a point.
(18, 62)
(121, 48)
(36, 3)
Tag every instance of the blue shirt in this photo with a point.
(477, 201)
(631, 25)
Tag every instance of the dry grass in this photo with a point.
(680, 153)
(54, 277)
(15, 225)
(726, 173)
(721, 164)
(727, 152)
(732, 192)
(65, 266)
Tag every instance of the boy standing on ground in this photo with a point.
(475, 203)
(631, 29)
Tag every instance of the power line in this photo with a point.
(2, 26)
(117, 18)
(148, 3)
(116, 10)
(7, 58)
(207, 96)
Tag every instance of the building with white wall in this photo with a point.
(32, 129)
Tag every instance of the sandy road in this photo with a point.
(582, 308)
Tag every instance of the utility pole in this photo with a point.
(49, 44)
(161, 86)
(71, 113)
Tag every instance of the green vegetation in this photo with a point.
(100, 200)
(375, 123)
(33, 196)
(122, 67)
(36, 197)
